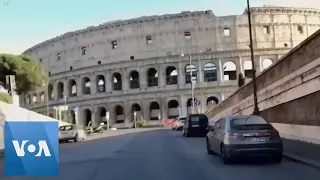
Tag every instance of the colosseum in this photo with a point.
(144, 67)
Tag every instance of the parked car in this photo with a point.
(71, 132)
(195, 124)
(244, 136)
(179, 123)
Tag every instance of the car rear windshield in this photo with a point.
(198, 120)
(250, 123)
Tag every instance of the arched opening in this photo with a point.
(72, 88)
(117, 82)
(248, 71)
(229, 71)
(86, 85)
(41, 97)
(51, 115)
(119, 114)
(102, 115)
(195, 105)
(171, 75)
(266, 63)
(73, 117)
(152, 77)
(50, 92)
(174, 110)
(191, 73)
(135, 108)
(212, 102)
(86, 116)
(28, 99)
(34, 98)
(210, 72)
(134, 80)
(100, 84)
(154, 111)
(60, 90)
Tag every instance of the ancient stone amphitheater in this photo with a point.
(143, 64)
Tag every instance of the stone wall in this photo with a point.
(288, 93)
(9, 112)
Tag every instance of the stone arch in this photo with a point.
(190, 73)
(41, 97)
(212, 101)
(134, 80)
(116, 81)
(171, 75)
(247, 67)
(86, 117)
(50, 92)
(266, 63)
(34, 98)
(102, 112)
(154, 110)
(28, 99)
(189, 105)
(86, 85)
(100, 84)
(229, 71)
(173, 110)
(72, 88)
(73, 117)
(119, 114)
(210, 72)
(60, 87)
(152, 76)
(135, 108)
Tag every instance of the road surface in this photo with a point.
(161, 154)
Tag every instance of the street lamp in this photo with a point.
(192, 82)
(256, 108)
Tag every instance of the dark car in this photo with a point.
(195, 124)
(244, 136)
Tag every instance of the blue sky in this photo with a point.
(25, 23)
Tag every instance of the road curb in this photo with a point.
(302, 160)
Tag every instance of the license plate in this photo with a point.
(258, 139)
(194, 125)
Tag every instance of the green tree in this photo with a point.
(5, 97)
(29, 73)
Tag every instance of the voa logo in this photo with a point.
(40, 148)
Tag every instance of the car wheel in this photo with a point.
(209, 151)
(76, 138)
(224, 157)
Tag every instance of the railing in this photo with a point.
(134, 84)
(117, 86)
(152, 81)
(172, 80)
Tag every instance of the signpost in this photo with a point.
(179, 109)
(108, 117)
(135, 119)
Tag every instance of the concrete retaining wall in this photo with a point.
(9, 112)
(288, 94)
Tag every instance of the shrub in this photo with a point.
(142, 122)
(5, 97)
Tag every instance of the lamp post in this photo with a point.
(191, 79)
(256, 108)
(108, 119)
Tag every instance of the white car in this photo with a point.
(71, 132)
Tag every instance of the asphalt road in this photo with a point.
(161, 154)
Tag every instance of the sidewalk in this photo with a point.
(302, 152)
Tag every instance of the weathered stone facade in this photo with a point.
(136, 65)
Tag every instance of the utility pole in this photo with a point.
(192, 83)
(256, 108)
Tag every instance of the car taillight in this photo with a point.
(274, 133)
(234, 134)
